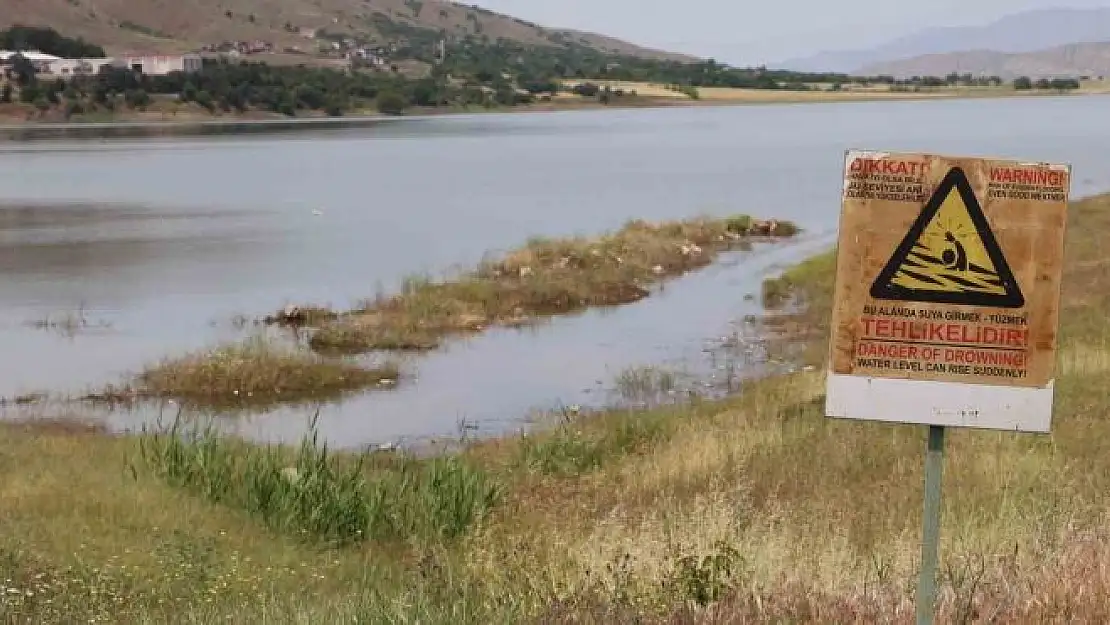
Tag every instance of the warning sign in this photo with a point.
(947, 291)
(950, 255)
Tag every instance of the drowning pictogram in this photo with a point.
(950, 255)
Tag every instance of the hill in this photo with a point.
(1023, 32)
(1075, 60)
(178, 25)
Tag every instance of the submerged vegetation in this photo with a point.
(545, 277)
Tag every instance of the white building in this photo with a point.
(52, 66)
(161, 64)
(67, 68)
(39, 60)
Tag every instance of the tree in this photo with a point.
(49, 41)
(391, 103)
(587, 89)
(505, 95)
(29, 93)
(310, 97)
(137, 98)
(205, 99)
(426, 92)
(1063, 84)
(6, 94)
(1023, 83)
(23, 70)
(73, 107)
(237, 98)
(286, 107)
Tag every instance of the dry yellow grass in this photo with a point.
(257, 374)
(819, 93)
(755, 509)
(725, 94)
(645, 89)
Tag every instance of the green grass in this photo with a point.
(582, 444)
(315, 495)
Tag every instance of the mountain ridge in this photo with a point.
(156, 26)
(1023, 32)
(1091, 59)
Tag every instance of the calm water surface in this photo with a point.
(163, 242)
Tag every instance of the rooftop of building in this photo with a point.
(30, 55)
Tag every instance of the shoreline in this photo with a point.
(781, 514)
(539, 280)
(128, 127)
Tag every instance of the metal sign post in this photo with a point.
(930, 527)
(946, 304)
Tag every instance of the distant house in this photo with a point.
(68, 68)
(39, 60)
(51, 66)
(161, 64)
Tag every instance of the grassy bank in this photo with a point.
(254, 373)
(545, 277)
(753, 509)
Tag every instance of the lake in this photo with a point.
(161, 243)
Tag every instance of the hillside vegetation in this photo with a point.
(474, 73)
(178, 25)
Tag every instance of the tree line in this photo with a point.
(536, 68)
(49, 41)
(221, 85)
(474, 72)
(1024, 83)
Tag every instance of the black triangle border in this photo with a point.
(883, 288)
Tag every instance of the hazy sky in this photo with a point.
(750, 32)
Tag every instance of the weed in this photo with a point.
(578, 445)
(645, 384)
(316, 495)
(256, 373)
(707, 579)
(296, 316)
(70, 323)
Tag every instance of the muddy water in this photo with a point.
(135, 250)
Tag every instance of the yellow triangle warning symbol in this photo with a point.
(950, 255)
